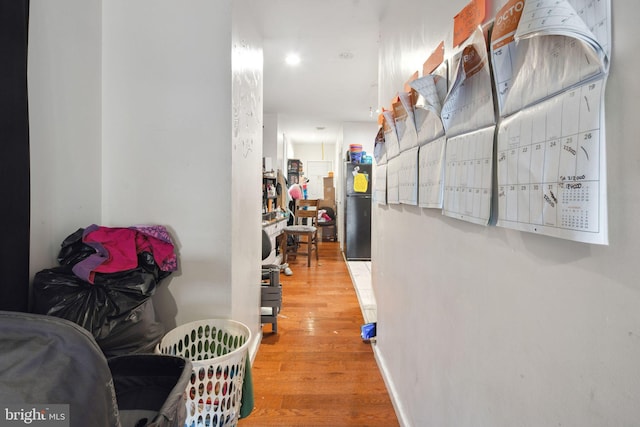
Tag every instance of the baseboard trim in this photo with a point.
(254, 346)
(395, 401)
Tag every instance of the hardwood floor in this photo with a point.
(317, 371)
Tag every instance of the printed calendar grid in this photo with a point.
(549, 165)
(430, 174)
(408, 177)
(468, 172)
(380, 184)
(393, 183)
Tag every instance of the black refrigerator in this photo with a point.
(357, 212)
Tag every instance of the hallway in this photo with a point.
(317, 371)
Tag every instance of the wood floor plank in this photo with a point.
(316, 371)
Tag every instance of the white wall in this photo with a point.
(169, 153)
(289, 151)
(166, 140)
(273, 141)
(281, 157)
(65, 123)
(363, 133)
(151, 112)
(313, 151)
(246, 167)
(484, 326)
(270, 139)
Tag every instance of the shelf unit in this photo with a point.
(294, 170)
(269, 194)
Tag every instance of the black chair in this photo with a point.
(271, 289)
(329, 226)
(46, 360)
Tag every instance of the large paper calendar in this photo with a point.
(550, 60)
(393, 181)
(468, 171)
(405, 122)
(380, 184)
(469, 120)
(542, 47)
(391, 143)
(539, 164)
(469, 103)
(551, 167)
(408, 177)
(431, 162)
(431, 90)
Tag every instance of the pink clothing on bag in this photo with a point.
(117, 249)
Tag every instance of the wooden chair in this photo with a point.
(304, 231)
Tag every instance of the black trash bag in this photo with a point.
(136, 332)
(73, 249)
(97, 307)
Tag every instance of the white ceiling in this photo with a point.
(326, 89)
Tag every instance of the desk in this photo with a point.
(274, 229)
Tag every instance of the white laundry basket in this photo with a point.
(217, 349)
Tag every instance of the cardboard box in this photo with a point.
(327, 181)
(329, 194)
(327, 202)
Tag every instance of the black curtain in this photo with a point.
(14, 156)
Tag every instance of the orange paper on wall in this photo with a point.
(435, 59)
(413, 77)
(465, 22)
(506, 22)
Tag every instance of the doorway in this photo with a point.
(316, 171)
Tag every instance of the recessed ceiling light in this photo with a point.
(292, 59)
(346, 55)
